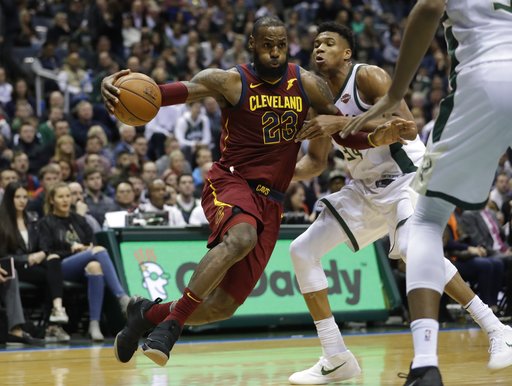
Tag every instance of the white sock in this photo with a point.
(330, 337)
(424, 335)
(483, 315)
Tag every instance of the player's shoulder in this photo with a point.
(368, 73)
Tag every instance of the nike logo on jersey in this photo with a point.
(252, 85)
(290, 83)
(327, 372)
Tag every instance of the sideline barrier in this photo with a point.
(158, 262)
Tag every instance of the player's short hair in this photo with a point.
(266, 21)
(345, 32)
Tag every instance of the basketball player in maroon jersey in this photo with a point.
(264, 105)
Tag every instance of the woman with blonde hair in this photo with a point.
(67, 234)
(65, 149)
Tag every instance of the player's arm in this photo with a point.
(421, 27)
(315, 160)
(223, 85)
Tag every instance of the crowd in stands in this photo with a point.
(64, 137)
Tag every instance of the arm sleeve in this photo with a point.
(357, 141)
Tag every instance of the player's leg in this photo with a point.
(239, 240)
(459, 291)
(144, 314)
(306, 252)
(425, 275)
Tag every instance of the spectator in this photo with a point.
(140, 146)
(5, 88)
(20, 164)
(138, 188)
(192, 130)
(156, 203)
(162, 127)
(73, 77)
(48, 175)
(68, 235)
(19, 239)
(127, 134)
(97, 201)
(94, 146)
(20, 94)
(186, 201)
(125, 196)
(162, 163)
(46, 129)
(294, 206)
(83, 121)
(79, 206)
(6, 177)
(65, 149)
(500, 192)
(28, 143)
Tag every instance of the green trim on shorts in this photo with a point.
(446, 106)
(455, 201)
(342, 222)
(401, 158)
(400, 223)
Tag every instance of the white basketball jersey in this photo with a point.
(478, 31)
(381, 162)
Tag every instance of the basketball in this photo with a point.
(139, 99)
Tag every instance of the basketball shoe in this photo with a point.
(500, 348)
(423, 376)
(127, 340)
(161, 340)
(336, 368)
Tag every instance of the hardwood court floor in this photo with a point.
(261, 362)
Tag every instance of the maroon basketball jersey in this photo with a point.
(258, 133)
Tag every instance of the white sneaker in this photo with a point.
(337, 368)
(500, 349)
(59, 315)
(56, 334)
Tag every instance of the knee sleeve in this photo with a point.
(307, 250)
(449, 271)
(425, 257)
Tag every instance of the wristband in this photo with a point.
(370, 140)
(174, 93)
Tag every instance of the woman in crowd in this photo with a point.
(68, 235)
(19, 239)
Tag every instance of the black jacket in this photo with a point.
(22, 251)
(57, 234)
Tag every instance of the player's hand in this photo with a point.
(395, 130)
(322, 126)
(109, 92)
(383, 107)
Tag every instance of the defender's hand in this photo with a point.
(111, 92)
(385, 105)
(395, 130)
(322, 126)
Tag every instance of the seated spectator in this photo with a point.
(156, 203)
(67, 170)
(124, 145)
(94, 145)
(138, 188)
(149, 172)
(162, 163)
(186, 201)
(193, 129)
(140, 146)
(21, 95)
(10, 295)
(83, 120)
(178, 164)
(500, 193)
(67, 234)
(104, 151)
(73, 77)
(20, 163)
(203, 155)
(99, 203)
(48, 175)
(336, 181)
(6, 177)
(161, 127)
(79, 206)
(125, 196)
(5, 88)
(295, 208)
(29, 143)
(473, 263)
(46, 130)
(19, 239)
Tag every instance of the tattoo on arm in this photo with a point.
(320, 95)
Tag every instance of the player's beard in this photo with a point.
(265, 72)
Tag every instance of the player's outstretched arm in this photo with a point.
(419, 32)
(223, 85)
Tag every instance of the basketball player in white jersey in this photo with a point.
(472, 131)
(377, 203)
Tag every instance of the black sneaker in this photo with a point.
(423, 376)
(159, 343)
(24, 339)
(127, 340)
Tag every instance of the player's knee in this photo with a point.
(297, 252)
(221, 311)
(241, 240)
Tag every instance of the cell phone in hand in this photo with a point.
(7, 265)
